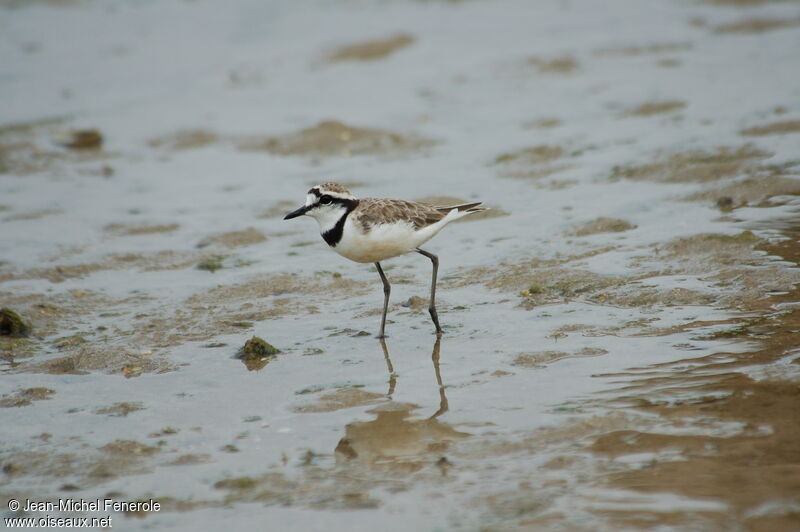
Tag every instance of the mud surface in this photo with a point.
(747, 470)
(754, 25)
(655, 108)
(602, 225)
(620, 349)
(697, 166)
(333, 138)
(556, 65)
(776, 128)
(370, 50)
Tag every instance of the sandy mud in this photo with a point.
(621, 326)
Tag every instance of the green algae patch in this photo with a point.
(12, 348)
(68, 342)
(128, 448)
(190, 459)
(26, 397)
(212, 263)
(12, 324)
(120, 409)
(752, 327)
(533, 155)
(240, 483)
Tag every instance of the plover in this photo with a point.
(376, 229)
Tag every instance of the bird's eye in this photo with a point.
(325, 200)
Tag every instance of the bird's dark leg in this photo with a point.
(387, 289)
(432, 307)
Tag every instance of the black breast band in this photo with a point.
(334, 235)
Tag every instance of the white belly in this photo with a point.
(381, 242)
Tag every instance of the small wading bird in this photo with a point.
(376, 229)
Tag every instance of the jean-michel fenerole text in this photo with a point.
(91, 505)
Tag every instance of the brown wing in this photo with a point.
(372, 211)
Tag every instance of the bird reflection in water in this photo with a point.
(395, 438)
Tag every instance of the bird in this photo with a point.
(372, 230)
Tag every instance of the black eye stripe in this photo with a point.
(349, 203)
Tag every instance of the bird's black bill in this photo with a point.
(294, 214)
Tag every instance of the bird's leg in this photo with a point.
(432, 307)
(387, 288)
(392, 374)
(443, 404)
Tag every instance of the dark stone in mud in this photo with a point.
(11, 468)
(256, 348)
(12, 324)
(725, 203)
(256, 353)
(82, 139)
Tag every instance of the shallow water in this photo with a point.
(604, 327)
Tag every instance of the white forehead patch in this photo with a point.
(310, 199)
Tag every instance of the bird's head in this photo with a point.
(327, 203)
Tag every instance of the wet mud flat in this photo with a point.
(620, 347)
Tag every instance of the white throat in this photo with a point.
(327, 216)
